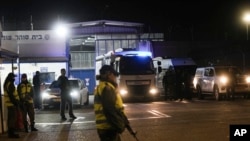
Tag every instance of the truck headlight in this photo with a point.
(223, 79)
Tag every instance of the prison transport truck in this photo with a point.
(136, 73)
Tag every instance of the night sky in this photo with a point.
(216, 17)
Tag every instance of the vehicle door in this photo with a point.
(81, 90)
(205, 80)
(210, 80)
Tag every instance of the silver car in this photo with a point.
(79, 93)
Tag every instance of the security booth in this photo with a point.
(31, 51)
(41, 50)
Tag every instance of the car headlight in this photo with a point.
(153, 91)
(224, 79)
(74, 93)
(123, 92)
(45, 95)
(248, 79)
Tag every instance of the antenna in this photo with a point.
(2, 22)
(31, 23)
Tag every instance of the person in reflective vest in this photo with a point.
(11, 100)
(111, 120)
(26, 93)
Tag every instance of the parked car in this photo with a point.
(79, 93)
(214, 81)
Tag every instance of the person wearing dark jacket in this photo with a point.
(26, 93)
(37, 96)
(169, 83)
(63, 84)
(11, 100)
(110, 118)
(231, 84)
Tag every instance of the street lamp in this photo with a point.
(246, 19)
(61, 29)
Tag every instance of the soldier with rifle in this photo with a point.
(111, 120)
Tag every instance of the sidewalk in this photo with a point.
(51, 128)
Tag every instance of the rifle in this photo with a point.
(132, 132)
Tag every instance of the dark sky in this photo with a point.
(157, 15)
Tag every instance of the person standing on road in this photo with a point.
(11, 100)
(110, 118)
(63, 84)
(26, 93)
(169, 83)
(37, 95)
(179, 84)
(231, 84)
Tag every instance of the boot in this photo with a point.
(12, 134)
(26, 129)
(33, 128)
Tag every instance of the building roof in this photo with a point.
(105, 22)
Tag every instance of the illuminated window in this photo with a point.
(82, 60)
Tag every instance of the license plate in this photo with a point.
(57, 100)
(138, 83)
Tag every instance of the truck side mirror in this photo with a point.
(158, 63)
(159, 69)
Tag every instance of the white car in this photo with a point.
(214, 81)
(79, 93)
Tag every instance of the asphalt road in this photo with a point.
(196, 120)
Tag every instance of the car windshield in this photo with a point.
(72, 83)
(54, 84)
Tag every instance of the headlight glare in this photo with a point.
(248, 79)
(45, 95)
(123, 92)
(153, 91)
(223, 79)
(74, 93)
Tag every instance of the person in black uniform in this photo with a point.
(231, 84)
(169, 83)
(63, 84)
(37, 96)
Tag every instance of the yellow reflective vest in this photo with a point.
(101, 120)
(6, 96)
(25, 92)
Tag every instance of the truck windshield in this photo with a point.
(136, 65)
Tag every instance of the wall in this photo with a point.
(85, 74)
